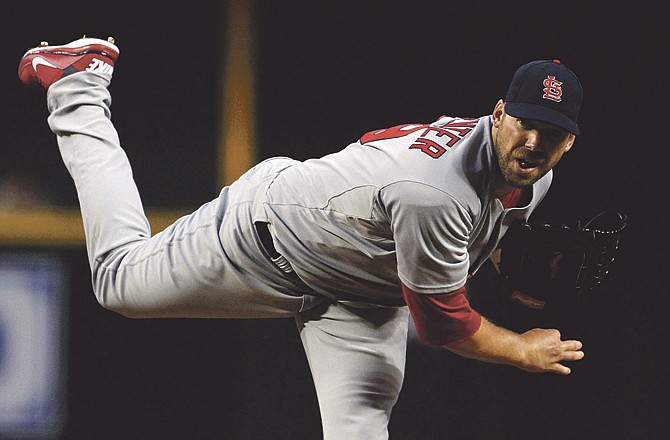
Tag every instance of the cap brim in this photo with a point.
(540, 113)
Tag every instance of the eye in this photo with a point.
(556, 135)
(523, 123)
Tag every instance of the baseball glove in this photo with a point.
(558, 265)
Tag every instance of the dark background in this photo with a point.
(326, 73)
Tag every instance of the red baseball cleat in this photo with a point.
(47, 64)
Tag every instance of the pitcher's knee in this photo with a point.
(114, 296)
(117, 303)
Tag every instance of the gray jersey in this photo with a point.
(412, 203)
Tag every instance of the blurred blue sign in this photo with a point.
(32, 326)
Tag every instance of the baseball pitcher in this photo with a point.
(349, 245)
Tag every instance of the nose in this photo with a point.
(532, 140)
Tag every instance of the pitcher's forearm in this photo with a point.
(537, 350)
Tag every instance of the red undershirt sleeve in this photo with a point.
(442, 319)
(447, 318)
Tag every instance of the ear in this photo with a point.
(570, 143)
(498, 112)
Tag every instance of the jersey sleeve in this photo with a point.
(431, 231)
(442, 319)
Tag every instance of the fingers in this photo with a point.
(546, 351)
(571, 345)
(573, 356)
(561, 369)
(572, 351)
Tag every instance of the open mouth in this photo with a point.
(526, 164)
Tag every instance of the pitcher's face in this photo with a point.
(526, 149)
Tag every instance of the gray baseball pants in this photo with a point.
(211, 264)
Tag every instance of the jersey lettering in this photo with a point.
(443, 137)
(391, 133)
(431, 148)
(434, 140)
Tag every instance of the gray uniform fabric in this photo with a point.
(352, 225)
(380, 211)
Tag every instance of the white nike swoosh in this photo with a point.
(39, 60)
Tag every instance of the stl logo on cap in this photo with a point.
(552, 89)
